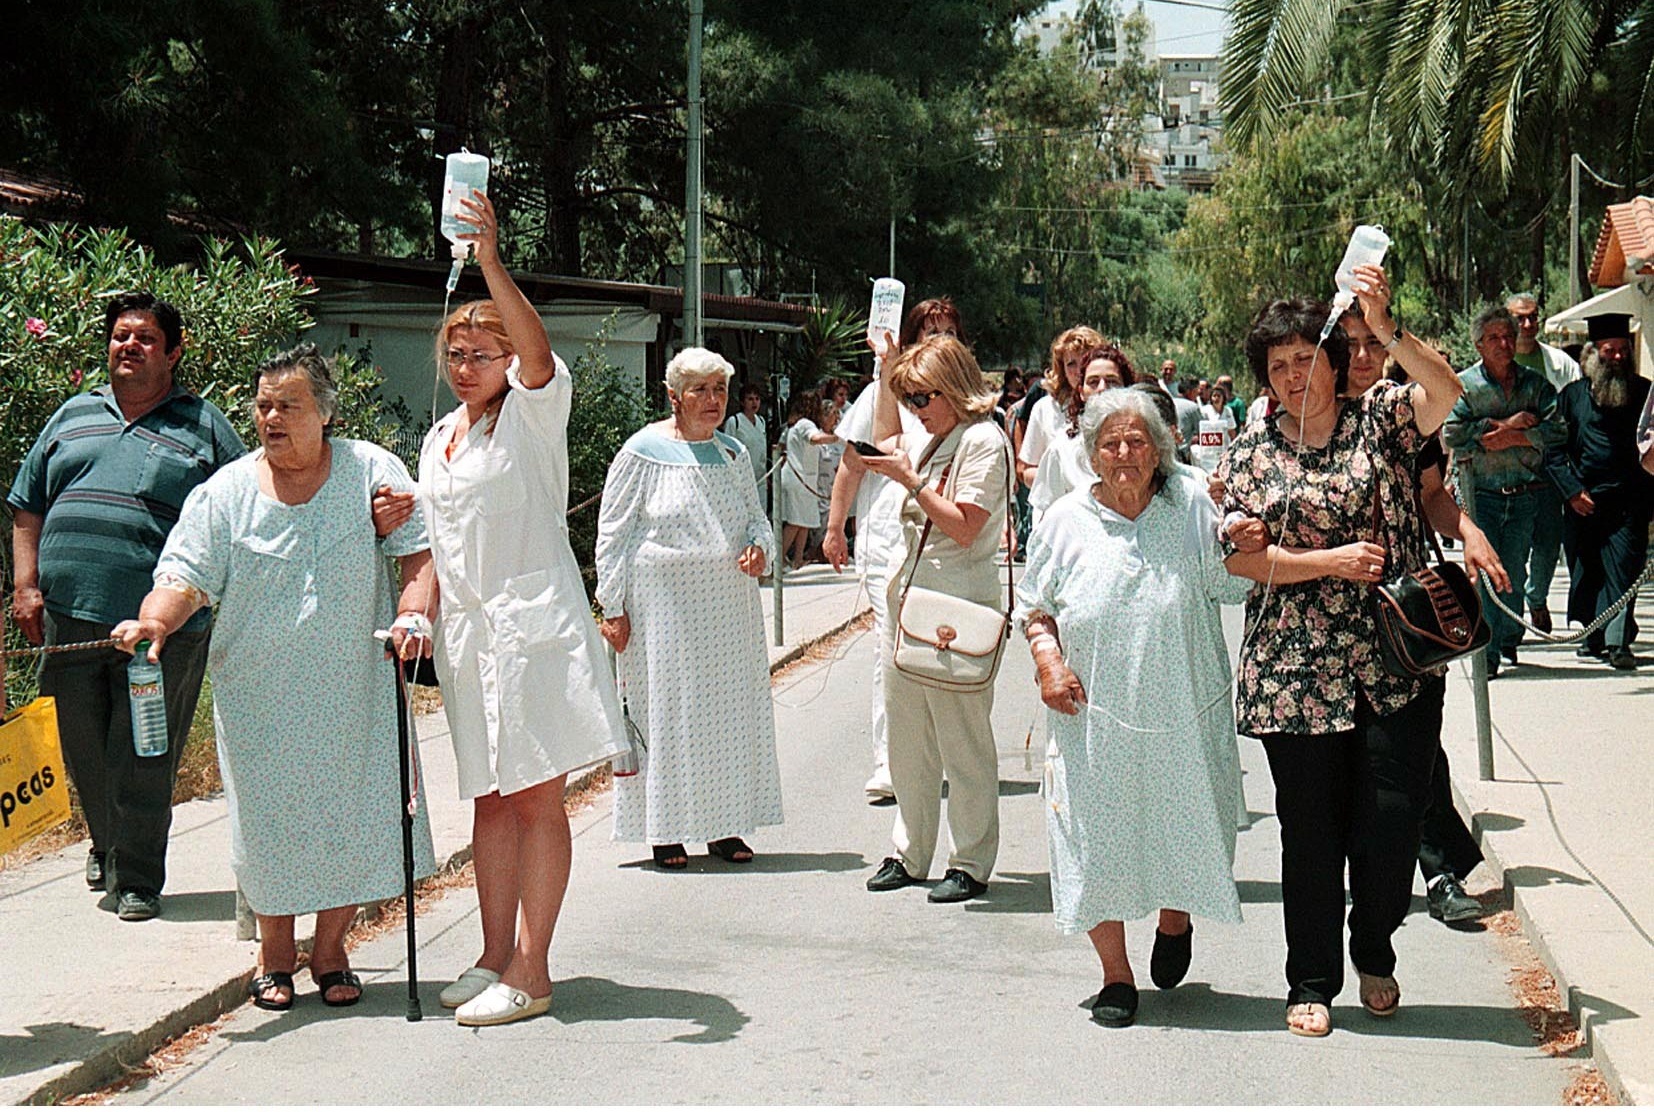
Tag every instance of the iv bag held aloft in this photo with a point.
(885, 313)
(1368, 243)
(467, 173)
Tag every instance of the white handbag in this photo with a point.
(947, 642)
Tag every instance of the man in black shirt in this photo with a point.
(1609, 496)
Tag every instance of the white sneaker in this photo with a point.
(468, 986)
(500, 1003)
(878, 788)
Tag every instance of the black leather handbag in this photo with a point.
(1427, 617)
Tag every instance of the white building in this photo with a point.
(1184, 139)
(1190, 129)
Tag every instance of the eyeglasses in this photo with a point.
(921, 400)
(1521, 317)
(481, 360)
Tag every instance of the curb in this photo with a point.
(1534, 932)
(110, 1063)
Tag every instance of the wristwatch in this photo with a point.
(1395, 339)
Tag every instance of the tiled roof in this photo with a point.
(1627, 232)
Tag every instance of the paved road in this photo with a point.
(786, 982)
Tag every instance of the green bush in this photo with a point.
(605, 412)
(239, 302)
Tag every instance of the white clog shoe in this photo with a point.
(500, 1003)
(468, 986)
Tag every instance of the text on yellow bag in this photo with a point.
(34, 792)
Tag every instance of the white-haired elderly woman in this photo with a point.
(1120, 607)
(681, 542)
(283, 543)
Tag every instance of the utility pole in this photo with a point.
(692, 331)
(892, 271)
(1573, 228)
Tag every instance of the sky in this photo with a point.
(1179, 28)
(1184, 30)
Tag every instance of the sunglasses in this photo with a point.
(920, 400)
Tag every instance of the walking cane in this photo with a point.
(406, 805)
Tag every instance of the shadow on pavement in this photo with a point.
(600, 1000)
(1538, 876)
(1016, 894)
(199, 907)
(1259, 891)
(1494, 822)
(1196, 1006)
(762, 863)
(50, 1044)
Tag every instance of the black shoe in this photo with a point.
(94, 870)
(1449, 902)
(957, 886)
(137, 904)
(1620, 659)
(1169, 962)
(1540, 616)
(1116, 1005)
(892, 875)
(1509, 654)
(1493, 669)
(1586, 652)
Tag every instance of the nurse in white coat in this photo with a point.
(525, 684)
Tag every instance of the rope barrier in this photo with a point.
(52, 650)
(1596, 623)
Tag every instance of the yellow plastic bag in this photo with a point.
(34, 789)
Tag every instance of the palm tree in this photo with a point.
(1478, 90)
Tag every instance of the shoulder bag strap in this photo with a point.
(924, 534)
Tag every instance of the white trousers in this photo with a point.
(878, 586)
(935, 734)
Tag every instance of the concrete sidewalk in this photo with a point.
(1568, 827)
(84, 996)
(785, 982)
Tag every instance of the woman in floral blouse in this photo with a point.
(1350, 746)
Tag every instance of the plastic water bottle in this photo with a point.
(147, 696)
(885, 314)
(1368, 243)
(1207, 450)
(466, 174)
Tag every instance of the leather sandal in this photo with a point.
(1373, 987)
(733, 850)
(1305, 1011)
(340, 978)
(265, 982)
(673, 856)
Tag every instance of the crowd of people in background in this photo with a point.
(1139, 501)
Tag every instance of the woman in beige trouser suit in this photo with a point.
(957, 479)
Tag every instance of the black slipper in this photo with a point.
(673, 856)
(1116, 1005)
(263, 983)
(1169, 962)
(340, 978)
(731, 849)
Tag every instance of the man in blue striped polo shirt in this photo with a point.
(92, 506)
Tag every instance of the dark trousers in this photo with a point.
(1445, 842)
(1606, 553)
(1547, 545)
(1355, 796)
(1507, 519)
(127, 799)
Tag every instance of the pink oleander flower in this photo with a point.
(76, 375)
(35, 326)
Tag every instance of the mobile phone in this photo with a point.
(863, 448)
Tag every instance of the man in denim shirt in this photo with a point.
(1502, 424)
